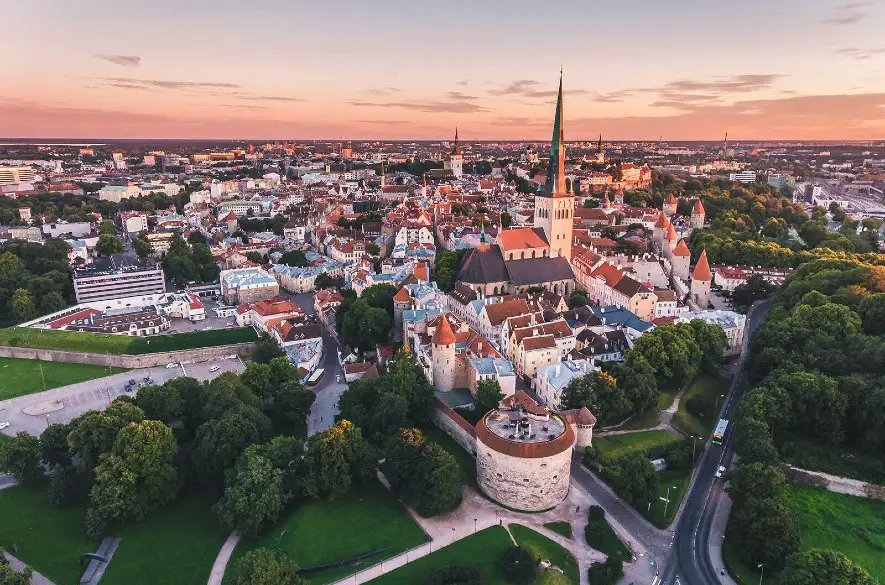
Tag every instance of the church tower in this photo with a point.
(455, 161)
(555, 206)
(600, 151)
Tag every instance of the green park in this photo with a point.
(22, 376)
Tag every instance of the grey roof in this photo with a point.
(483, 265)
(539, 270)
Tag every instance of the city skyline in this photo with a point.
(398, 71)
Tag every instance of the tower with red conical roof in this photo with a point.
(698, 215)
(443, 356)
(701, 278)
(670, 204)
(680, 261)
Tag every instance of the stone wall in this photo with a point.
(454, 425)
(523, 483)
(146, 360)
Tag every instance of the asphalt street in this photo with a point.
(689, 561)
(75, 399)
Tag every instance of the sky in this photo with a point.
(291, 69)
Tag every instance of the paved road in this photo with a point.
(96, 394)
(328, 389)
(690, 560)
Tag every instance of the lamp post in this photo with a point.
(474, 525)
(453, 535)
(694, 442)
(761, 567)
(716, 408)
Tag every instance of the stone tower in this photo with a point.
(697, 215)
(701, 279)
(555, 206)
(680, 260)
(443, 357)
(670, 204)
(660, 231)
(455, 161)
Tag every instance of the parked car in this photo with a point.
(214, 368)
(171, 365)
(720, 472)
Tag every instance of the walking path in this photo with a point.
(836, 484)
(36, 578)
(220, 564)
(717, 539)
(658, 427)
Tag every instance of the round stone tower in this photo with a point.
(443, 356)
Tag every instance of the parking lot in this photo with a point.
(212, 322)
(68, 402)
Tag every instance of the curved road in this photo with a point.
(690, 560)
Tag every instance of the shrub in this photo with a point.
(95, 524)
(606, 573)
(518, 566)
(595, 513)
(455, 575)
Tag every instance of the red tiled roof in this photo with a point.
(702, 269)
(521, 238)
(443, 334)
(681, 249)
(698, 208)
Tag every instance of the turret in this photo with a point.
(697, 215)
(701, 279)
(443, 356)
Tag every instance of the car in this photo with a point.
(214, 368)
(207, 328)
(127, 388)
(171, 365)
(131, 383)
(720, 471)
(3, 425)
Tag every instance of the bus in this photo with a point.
(315, 377)
(719, 431)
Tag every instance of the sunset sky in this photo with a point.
(682, 69)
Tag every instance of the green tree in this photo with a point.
(95, 431)
(294, 258)
(813, 233)
(608, 572)
(325, 281)
(20, 457)
(220, 441)
(637, 377)
(600, 393)
(262, 566)
(142, 247)
(139, 473)
(633, 477)
(753, 441)
(108, 244)
(823, 567)
(335, 459)
(872, 313)
(266, 349)
(755, 289)
(506, 220)
(22, 305)
(54, 449)
(577, 299)
(107, 228)
(196, 237)
(380, 296)
(364, 326)
(518, 566)
(488, 395)
(253, 495)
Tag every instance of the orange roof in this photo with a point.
(275, 306)
(662, 221)
(608, 272)
(698, 208)
(422, 272)
(670, 199)
(681, 249)
(402, 295)
(521, 238)
(443, 334)
(702, 269)
(671, 233)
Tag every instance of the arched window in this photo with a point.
(522, 255)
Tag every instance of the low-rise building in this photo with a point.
(120, 277)
(247, 285)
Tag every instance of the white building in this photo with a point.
(117, 193)
(14, 175)
(743, 177)
(732, 323)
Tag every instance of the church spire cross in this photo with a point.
(555, 184)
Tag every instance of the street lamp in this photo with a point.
(694, 442)
(761, 568)
(474, 525)
(453, 535)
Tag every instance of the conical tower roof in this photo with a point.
(671, 233)
(681, 249)
(698, 207)
(555, 185)
(662, 221)
(443, 334)
(702, 268)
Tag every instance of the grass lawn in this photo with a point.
(121, 344)
(617, 445)
(48, 539)
(175, 545)
(465, 460)
(677, 481)
(848, 524)
(542, 547)
(318, 532)
(650, 418)
(22, 377)
(563, 528)
(601, 537)
(737, 569)
(709, 388)
(481, 550)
